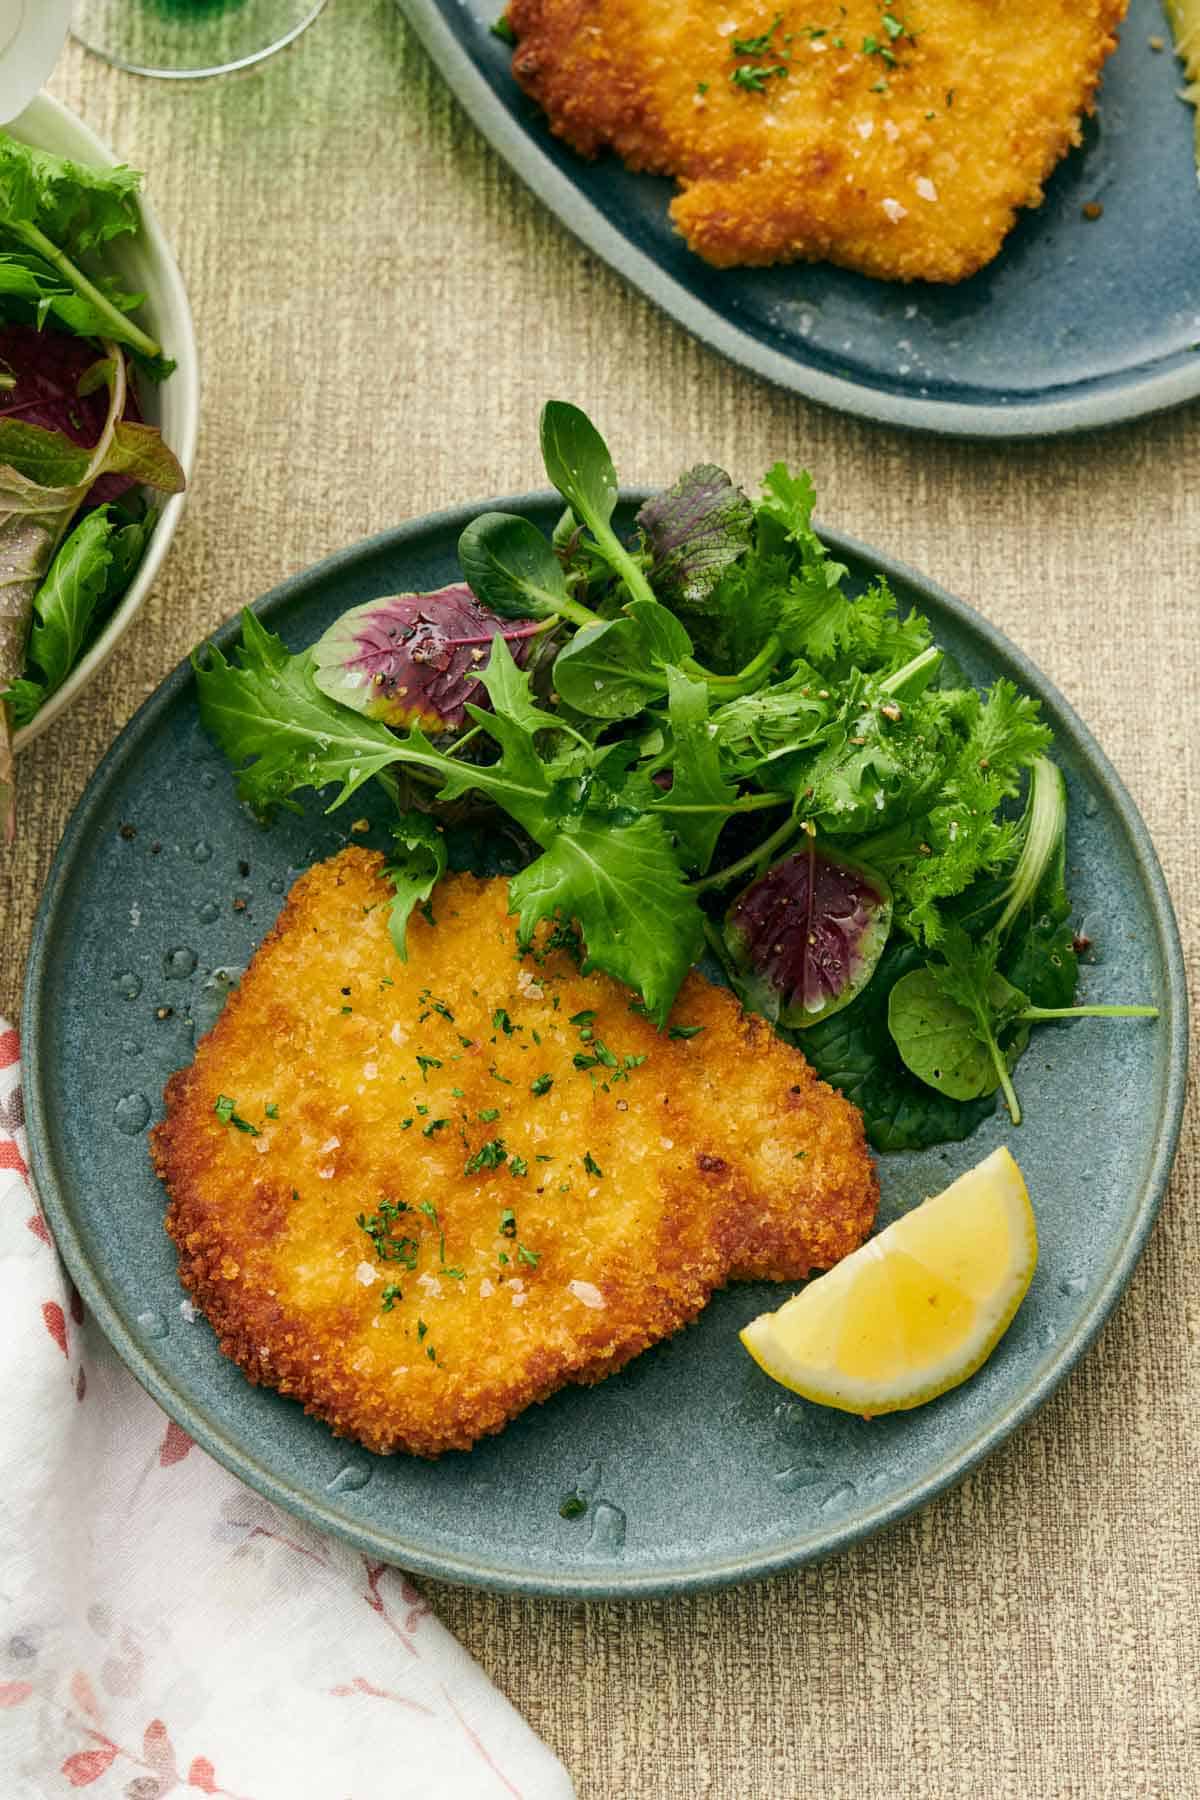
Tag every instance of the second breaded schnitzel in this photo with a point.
(898, 142)
(421, 1195)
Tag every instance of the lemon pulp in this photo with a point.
(916, 1309)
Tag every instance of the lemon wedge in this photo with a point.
(916, 1309)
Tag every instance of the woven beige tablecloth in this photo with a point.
(381, 309)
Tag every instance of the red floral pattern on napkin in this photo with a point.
(163, 1630)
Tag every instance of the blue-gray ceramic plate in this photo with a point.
(1077, 323)
(698, 1469)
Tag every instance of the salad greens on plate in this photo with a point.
(75, 452)
(707, 741)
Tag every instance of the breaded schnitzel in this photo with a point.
(420, 1195)
(898, 142)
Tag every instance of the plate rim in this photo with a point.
(710, 1573)
(1090, 409)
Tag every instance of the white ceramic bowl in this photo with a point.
(145, 265)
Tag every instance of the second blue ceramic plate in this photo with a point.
(1077, 323)
(698, 1469)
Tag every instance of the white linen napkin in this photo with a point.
(163, 1630)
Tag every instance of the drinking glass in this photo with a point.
(186, 38)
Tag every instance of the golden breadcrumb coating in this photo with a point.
(904, 156)
(555, 1183)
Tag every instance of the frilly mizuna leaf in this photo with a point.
(415, 659)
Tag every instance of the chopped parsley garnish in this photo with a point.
(454, 1274)
(502, 1022)
(508, 1222)
(800, 1156)
(488, 1115)
(755, 76)
(501, 29)
(425, 1063)
(272, 1111)
(497, 1076)
(224, 1110)
(433, 1125)
(378, 1227)
(404, 1124)
(488, 1156)
(430, 1210)
(542, 1085)
(572, 1506)
(685, 1031)
(422, 1328)
(581, 1018)
(757, 46)
(390, 1295)
(517, 1165)
(525, 1255)
(590, 1164)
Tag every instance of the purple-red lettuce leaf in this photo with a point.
(694, 531)
(805, 936)
(416, 659)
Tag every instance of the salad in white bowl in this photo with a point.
(98, 413)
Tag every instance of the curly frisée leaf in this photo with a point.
(278, 729)
(807, 934)
(417, 864)
(623, 886)
(413, 659)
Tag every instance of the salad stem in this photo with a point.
(763, 853)
(751, 803)
(1006, 1086)
(745, 679)
(915, 676)
(1088, 1012)
(75, 277)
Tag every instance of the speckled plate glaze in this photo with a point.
(699, 1470)
(1076, 324)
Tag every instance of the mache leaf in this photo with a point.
(854, 1051)
(513, 570)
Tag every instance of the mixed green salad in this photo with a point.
(75, 452)
(706, 738)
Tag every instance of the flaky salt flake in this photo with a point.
(332, 1143)
(326, 1174)
(429, 1284)
(188, 1311)
(864, 128)
(926, 189)
(894, 210)
(366, 1274)
(486, 1289)
(519, 1299)
(585, 1293)
(370, 1071)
